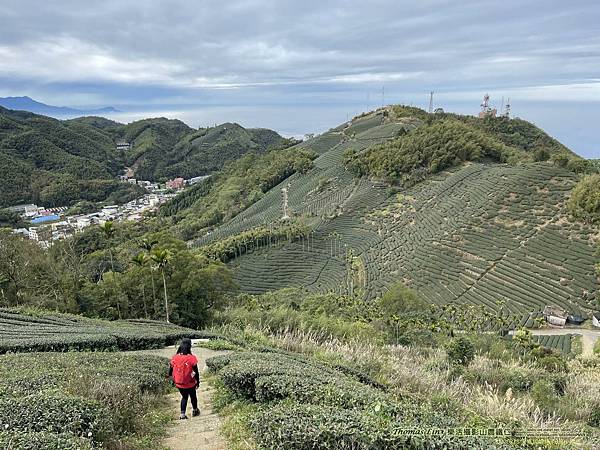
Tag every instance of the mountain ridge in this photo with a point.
(26, 103)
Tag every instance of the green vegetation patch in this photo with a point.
(584, 203)
(426, 150)
(76, 400)
(53, 332)
(302, 404)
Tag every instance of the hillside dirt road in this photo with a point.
(588, 337)
(197, 433)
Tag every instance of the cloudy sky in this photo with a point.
(305, 66)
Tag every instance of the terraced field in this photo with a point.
(560, 343)
(478, 234)
(21, 332)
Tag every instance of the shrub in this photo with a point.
(552, 364)
(544, 395)
(594, 418)
(36, 440)
(460, 351)
(295, 426)
(55, 413)
(61, 333)
(97, 396)
(400, 300)
(584, 203)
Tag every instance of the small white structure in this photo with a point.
(555, 315)
(22, 232)
(123, 146)
(596, 319)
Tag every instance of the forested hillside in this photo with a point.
(240, 184)
(163, 148)
(58, 163)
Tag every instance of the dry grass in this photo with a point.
(421, 371)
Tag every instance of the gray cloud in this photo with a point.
(185, 51)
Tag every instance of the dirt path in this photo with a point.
(588, 337)
(197, 433)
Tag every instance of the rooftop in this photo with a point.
(555, 311)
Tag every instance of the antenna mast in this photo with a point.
(430, 102)
(382, 96)
(486, 109)
(507, 110)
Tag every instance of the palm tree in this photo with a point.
(161, 258)
(140, 261)
(146, 244)
(109, 231)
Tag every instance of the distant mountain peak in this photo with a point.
(26, 103)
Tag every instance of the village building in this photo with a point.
(123, 146)
(596, 319)
(555, 315)
(29, 210)
(176, 183)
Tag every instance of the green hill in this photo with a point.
(163, 148)
(57, 163)
(449, 216)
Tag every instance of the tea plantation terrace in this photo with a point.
(475, 234)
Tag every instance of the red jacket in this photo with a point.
(184, 370)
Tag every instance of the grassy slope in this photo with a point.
(352, 394)
(476, 233)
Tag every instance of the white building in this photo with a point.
(555, 315)
(596, 319)
(83, 222)
(195, 180)
(22, 232)
(33, 234)
(123, 146)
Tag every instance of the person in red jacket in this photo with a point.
(186, 376)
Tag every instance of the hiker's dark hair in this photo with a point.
(185, 348)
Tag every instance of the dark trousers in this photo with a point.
(185, 393)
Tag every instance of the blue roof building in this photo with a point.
(44, 219)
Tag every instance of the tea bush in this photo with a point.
(75, 400)
(52, 332)
(49, 441)
(303, 404)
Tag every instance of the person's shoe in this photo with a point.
(183, 417)
(195, 413)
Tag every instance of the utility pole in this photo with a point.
(382, 96)
(285, 202)
(430, 102)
